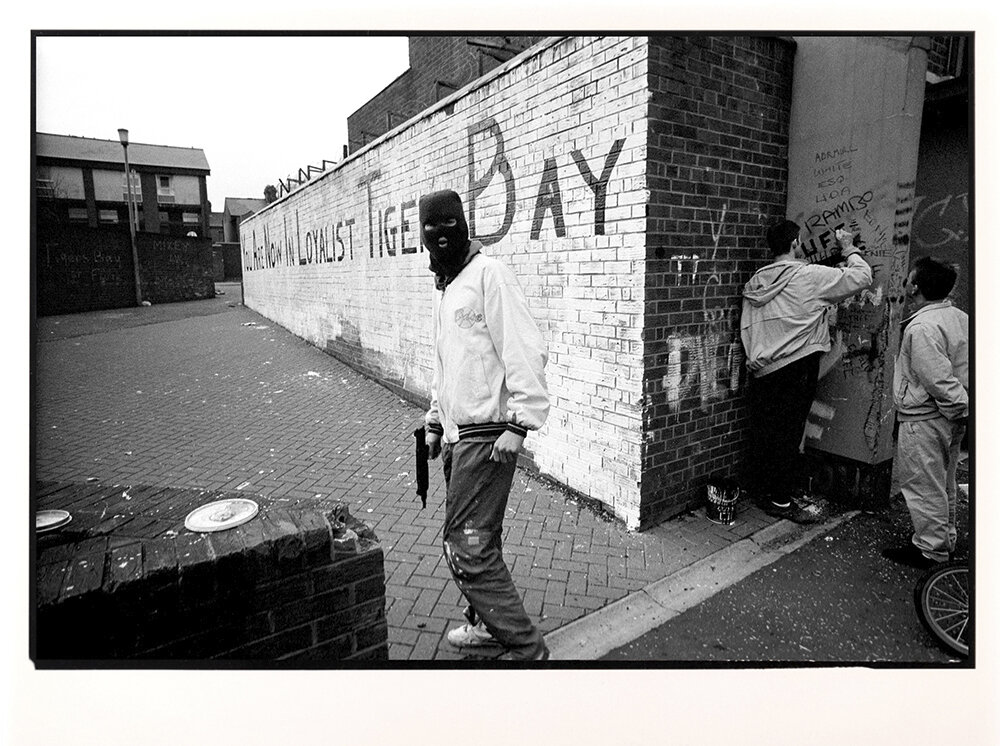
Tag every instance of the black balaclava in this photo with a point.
(444, 233)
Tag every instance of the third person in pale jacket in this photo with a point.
(931, 391)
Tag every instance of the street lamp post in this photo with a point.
(123, 136)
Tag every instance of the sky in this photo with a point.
(260, 107)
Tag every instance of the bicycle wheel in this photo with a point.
(942, 600)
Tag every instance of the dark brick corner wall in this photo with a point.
(717, 175)
(296, 586)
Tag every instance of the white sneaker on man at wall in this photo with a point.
(470, 636)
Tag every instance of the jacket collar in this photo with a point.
(933, 306)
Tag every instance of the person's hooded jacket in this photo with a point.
(931, 376)
(785, 305)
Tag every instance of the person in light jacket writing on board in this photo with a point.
(785, 333)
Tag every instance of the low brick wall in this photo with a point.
(90, 269)
(301, 586)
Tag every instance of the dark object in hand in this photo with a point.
(420, 435)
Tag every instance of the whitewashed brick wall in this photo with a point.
(339, 262)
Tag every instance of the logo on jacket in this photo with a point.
(465, 318)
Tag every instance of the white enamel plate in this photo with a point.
(220, 515)
(50, 520)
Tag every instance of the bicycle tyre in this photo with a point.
(941, 597)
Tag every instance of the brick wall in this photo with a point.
(628, 182)
(439, 66)
(83, 269)
(718, 144)
(548, 153)
(173, 268)
(290, 585)
(88, 269)
(948, 56)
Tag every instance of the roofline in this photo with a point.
(60, 160)
(118, 142)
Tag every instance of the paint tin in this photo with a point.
(723, 496)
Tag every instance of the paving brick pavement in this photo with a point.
(211, 395)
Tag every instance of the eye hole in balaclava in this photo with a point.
(443, 231)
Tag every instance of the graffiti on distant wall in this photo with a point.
(391, 229)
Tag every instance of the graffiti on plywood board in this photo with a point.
(863, 326)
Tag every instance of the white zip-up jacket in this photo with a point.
(931, 377)
(489, 356)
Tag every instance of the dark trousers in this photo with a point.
(477, 492)
(779, 406)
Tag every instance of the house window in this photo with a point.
(45, 188)
(191, 218)
(164, 190)
(45, 185)
(77, 215)
(107, 216)
(136, 188)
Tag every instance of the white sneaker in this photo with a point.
(469, 636)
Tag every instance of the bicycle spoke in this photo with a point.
(947, 630)
(957, 585)
(961, 633)
(946, 610)
(940, 595)
(943, 606)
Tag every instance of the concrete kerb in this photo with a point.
(627, 619)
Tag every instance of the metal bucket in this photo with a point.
(723, 495)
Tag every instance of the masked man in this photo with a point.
(488, 392)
